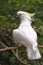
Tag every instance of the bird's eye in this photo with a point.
(20, 14)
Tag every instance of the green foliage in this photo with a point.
(8, 22)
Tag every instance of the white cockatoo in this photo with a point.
(26, 35)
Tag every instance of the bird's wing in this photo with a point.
(23, 36)
(27, 37)
(30, 31)
(29, 42)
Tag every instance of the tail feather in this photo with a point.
(33, 54)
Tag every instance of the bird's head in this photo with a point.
(24, 15)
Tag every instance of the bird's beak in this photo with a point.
(31, 15)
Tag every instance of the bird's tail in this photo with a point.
(33, 55)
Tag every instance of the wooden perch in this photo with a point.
(8, 48)
(40, 46)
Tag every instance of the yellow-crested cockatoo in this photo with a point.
(26, 35)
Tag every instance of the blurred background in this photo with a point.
(8, 22)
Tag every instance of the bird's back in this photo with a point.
(28, 31)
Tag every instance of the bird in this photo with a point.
(26, 35)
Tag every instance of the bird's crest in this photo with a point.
(31, 15)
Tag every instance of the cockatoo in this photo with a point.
(26, 35)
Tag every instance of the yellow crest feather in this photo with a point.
(31, 15)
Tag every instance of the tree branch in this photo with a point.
(3, 44)
(8, 48)
(40, 46)
(12, 49)
(24, 63)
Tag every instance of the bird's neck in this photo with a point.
(25, 22)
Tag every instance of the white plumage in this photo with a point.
(26, 35)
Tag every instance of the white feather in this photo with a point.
(27, 36)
